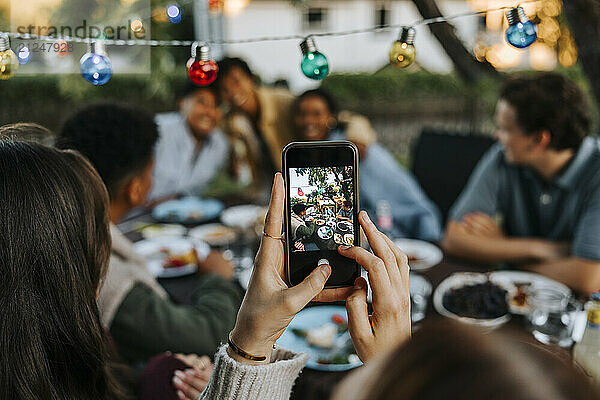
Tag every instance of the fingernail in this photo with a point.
(177, 381)
(366, 218)
(191, 371)
(345, 247)
(180, 374)
(325, 270)
(180, 394)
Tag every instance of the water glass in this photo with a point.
(553, 316)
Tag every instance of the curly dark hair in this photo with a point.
(119, 141)
(549, 101)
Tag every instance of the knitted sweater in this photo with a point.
(232, 380)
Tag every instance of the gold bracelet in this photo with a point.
(242, 353)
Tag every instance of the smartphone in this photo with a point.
(321, 209)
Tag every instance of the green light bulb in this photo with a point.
(9, 62)
(314, 65)
(403, 52)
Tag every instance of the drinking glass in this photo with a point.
(553, 316)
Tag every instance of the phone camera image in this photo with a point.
(322, 208)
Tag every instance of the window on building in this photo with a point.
(382, 15)
(315, 18)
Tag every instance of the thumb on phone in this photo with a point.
(312, 285)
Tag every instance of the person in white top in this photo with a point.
(191, 149)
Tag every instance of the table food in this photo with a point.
(244, 217)
(331, 224)
(320, 221)
(322, 333)
(343, 226)
(480, 300)
(150, 231)
(349, 239)
(338, 239)
(325, 232)
(175, 259)
(214, 234)
(187, 210)
(526, 283)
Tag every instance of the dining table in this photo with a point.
(317, 384)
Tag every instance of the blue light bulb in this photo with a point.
(314, 65)
(24, 55)
(174, 13)
(521, 32)
(96, 67)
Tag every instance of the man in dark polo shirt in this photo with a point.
(534, 198)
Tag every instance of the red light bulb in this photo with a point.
(200, 68)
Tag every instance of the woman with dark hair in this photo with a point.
(54, 250)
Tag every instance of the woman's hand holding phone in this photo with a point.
(269, 305)
(388, 273)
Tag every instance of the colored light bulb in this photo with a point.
(521, 32)
(24, 55)
(403, 52)
(174, 13)
(9, 61)
(200, 68)
(96, 67)
(314, 65)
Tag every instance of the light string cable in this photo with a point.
(187, 43)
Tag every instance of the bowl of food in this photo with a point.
(343, 226)
(349, 239)
(214, 234)
(475, 299)
(319, 221)
(325, 232)
(338, 239)
(322, 332)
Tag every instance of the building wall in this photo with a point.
(355, 53)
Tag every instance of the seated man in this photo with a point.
(345, 213)
(301, 230)
(534, 198)
(142, 319)
(191, 149)
(381, 178)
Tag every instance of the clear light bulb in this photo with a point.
(96, 67)
(9, 61)
(403, 52)
(521, 32)
(200, 68)
(314, 65)
(174, 13)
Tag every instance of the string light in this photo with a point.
(314, 65)
(24, 55)
(403, 52)
(200, 68)
(8, 59)
(521, 32)
(96, 67)
(174, 13)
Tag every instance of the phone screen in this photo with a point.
(322, 208)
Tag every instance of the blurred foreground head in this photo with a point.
(54, 250)
(28, 132)
(452, 361)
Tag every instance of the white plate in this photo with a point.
(536, 281)
(213, 234)
(159, 230)
(243, 217)
(428, 255)
(461, 279)
(325, 232)
(151, 251)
